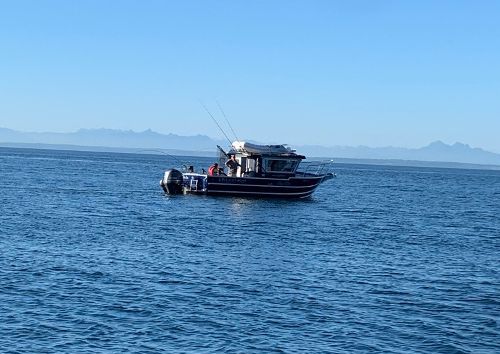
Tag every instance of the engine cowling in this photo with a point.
(172, 181)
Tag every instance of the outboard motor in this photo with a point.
(172, 181)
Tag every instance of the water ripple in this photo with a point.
(95, 258)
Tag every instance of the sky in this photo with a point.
(374, 73)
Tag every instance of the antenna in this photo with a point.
(227, 121)
(217, 123)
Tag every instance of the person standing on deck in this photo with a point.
(232, 166)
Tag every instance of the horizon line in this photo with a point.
(221, 139)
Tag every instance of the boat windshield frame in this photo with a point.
(280, 164)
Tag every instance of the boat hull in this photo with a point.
(293, 187)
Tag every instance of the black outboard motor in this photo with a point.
(172, 181)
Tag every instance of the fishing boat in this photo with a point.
(271, 171)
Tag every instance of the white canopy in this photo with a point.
(243, 146)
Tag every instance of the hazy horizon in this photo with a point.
(326, 73)
(215, 138)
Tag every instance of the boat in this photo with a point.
(270, 171)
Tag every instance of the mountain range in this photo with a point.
(204, 145)
(113, 138)
(436, 151)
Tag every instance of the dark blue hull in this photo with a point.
(293, 187)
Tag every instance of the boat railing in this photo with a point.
(315, 168)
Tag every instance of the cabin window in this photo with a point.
(281, 165)
(250, 165)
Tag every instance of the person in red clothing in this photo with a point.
(213, 170)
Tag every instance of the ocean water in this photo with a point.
(94, 258)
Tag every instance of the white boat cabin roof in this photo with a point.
(249, 149)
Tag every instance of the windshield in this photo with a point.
(281, 165)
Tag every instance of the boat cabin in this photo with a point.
(272, 161)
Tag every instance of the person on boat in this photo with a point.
(213, 170)
(232, 166)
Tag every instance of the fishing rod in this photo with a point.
(227, 120)
(217, 123)
(183, 163)
(222, 150)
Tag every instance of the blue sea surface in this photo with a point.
(95, 258)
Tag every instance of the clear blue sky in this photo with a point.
(374, 73)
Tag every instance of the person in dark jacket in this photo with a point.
(232, 166)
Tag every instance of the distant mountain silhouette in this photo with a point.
(148, 139)
(436, 151)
